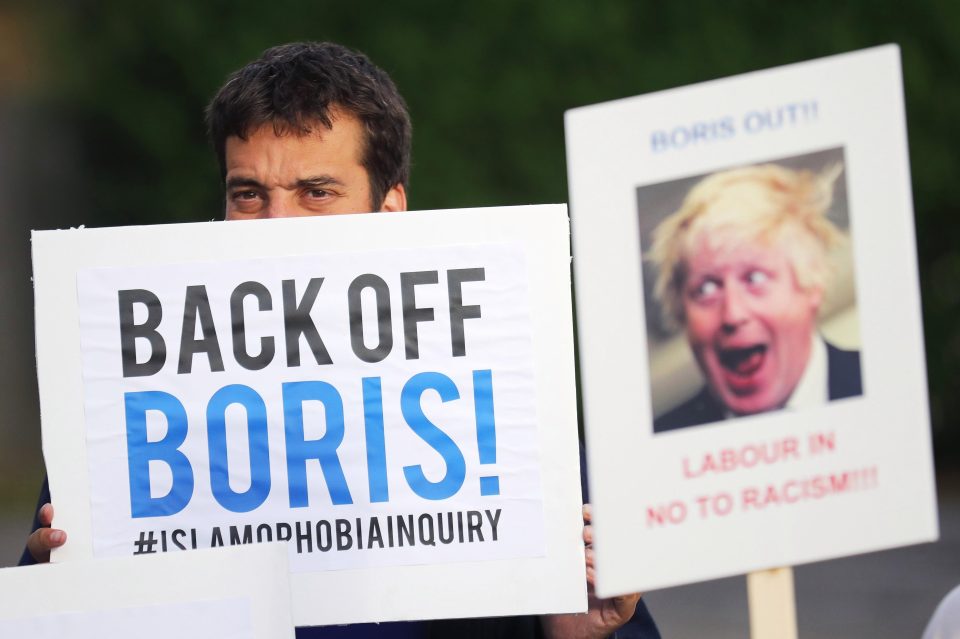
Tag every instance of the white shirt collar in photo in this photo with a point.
(812, 389)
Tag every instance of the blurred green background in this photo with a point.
(101, 122)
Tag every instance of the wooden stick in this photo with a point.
(773, 611)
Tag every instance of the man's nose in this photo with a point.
(734, 309)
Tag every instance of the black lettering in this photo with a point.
(324, 536)
(412, 314)
(458, 312)
(235, 535)
(494, 522)
(129, 332)
(297, 322)
(344, 541)
(197, 305)
(427, 534)
(385, 340)
(445, 539)
(264, 533)
(304, 534)
(374, 536)
(405, 529)
(267, 347)
(176, 536)
(474, 524)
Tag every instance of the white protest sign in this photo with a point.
(241, 593)
(749, 318)
(380, 391)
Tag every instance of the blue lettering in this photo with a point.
(681, 136)
(413, 413)
(659, 141)
(486, 428)
(324, 449)
(376, 446)
(141, 452)
(257, 441)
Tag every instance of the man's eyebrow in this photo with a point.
(312, 182)
(318, 181)
(238, 182)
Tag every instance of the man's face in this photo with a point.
(290, 176)
(749, 323)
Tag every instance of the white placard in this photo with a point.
(241, 593)
(726, 434)
(377, 390)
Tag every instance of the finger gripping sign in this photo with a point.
(372, 408)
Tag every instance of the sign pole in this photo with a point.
(773, 611)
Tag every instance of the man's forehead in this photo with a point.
(724, 247)
(340, 143)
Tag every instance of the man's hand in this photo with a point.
(603, 616)
(44, 539)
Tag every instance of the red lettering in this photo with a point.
(673, 513)
(796, 490)
(822, 442)
(749, 499)
(838, 483)
(729, 459)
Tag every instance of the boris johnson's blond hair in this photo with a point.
(767, 203)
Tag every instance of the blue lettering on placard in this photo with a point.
(249, 407)
(376, 446)
(141, 452)
(760, 120)
(299, 450)
(412, 411)
(685, 135)
(784, 115)
(257, 441)
(486, 429)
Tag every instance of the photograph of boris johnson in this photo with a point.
(749, 291)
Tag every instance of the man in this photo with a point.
(743, 267)
(317, 129)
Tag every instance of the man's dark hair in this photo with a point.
(295, 86)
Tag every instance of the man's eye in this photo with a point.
(757, 278)
(317, 194)
(244, 196)
(705, 289)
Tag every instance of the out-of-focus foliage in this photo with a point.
(125, 84)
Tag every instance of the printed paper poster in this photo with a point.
(372, 409)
